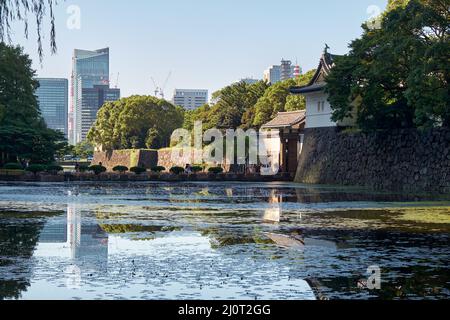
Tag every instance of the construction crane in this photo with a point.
(159, 90)
(163, 89)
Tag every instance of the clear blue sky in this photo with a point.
(205, 43)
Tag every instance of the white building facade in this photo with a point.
(318, 109)
(285, 71)
(190, 99)
(272, 74)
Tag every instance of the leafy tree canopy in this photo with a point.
(399, 73)
(136, 122)
(23, 132)
(83, 150)
(229, 106)
(395, 4)
(243, 105)
(277, 98)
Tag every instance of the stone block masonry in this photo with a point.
(129, 158)
(398, 160)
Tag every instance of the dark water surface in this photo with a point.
(219, 241)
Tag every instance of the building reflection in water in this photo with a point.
(273, 213)
(83, 243)
(296, 239)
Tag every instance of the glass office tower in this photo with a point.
(92, 99)
(53, 95)
(90, 68)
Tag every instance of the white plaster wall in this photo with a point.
(271, 144)
(314, 117)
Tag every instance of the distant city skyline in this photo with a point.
(53, 95)
(205, 45)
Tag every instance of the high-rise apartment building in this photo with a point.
(89, 69)
(272, 74)
(190, 99)
(285, 71)
(53, 96)
(92, 99)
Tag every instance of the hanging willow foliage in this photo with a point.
(20, 10)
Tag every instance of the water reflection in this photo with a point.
(275, 210)
(71, 236)
(85, 245)
(17, 244)
(219, 241)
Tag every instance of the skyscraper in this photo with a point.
(285, 71)
(190, 99)
(89, 68)
(92, 99)
(53, 96)
(273, 74)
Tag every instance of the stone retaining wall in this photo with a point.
(397, 160)
(129, 158)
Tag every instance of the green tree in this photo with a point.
(83, 150)
(277, 98)
(136, 122)
(395, 4)
(23, 132)
(398, 74)
(231, 107)
(17, 76)
(200, 114)
(234, 102)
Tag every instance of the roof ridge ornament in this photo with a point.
(326, 48)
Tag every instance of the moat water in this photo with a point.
(220, 241)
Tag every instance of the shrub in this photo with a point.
(36, 168)
(177, 170)
(83, 168)
(97, 169)
(121, 169)
(11, 172)
(215, 170)
(12, 166)
(158, 169)
(54, 169)
(196, 169)
(138, 170)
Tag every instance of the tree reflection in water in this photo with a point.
(18, 241)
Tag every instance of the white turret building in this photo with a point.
(318, 108)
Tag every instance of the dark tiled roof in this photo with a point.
(325, 66)
(286, 119)
(312, 88)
